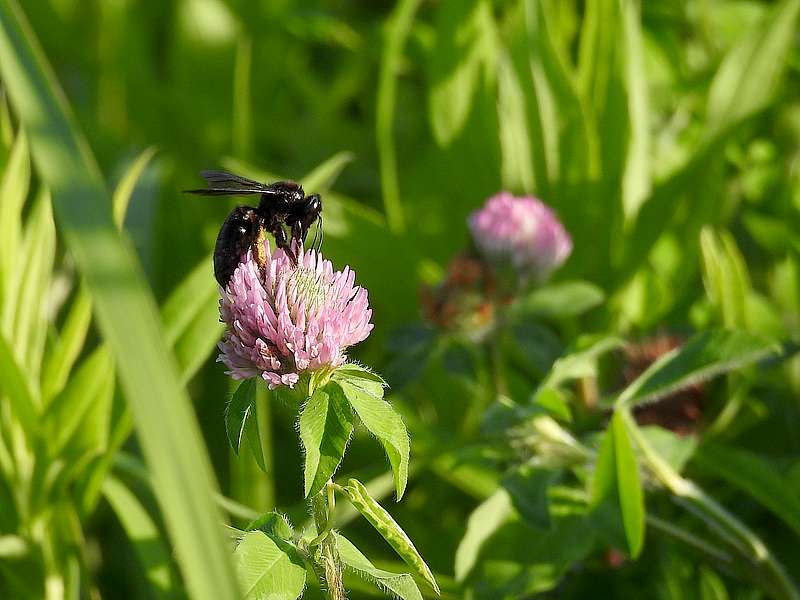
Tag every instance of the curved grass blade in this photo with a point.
(125, 310)
(124, 192)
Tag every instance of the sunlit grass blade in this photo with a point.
(32, 281)
(125, 311)
(13, 191)
(515, 147)
(636, 180)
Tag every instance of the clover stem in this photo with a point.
(322, 510)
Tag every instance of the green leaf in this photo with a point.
(241, 420)
(401, 585)
(704, 356)
(486, 519)
(675, 449)
(143, 533)
(326, 423)
(752, 69)
(274, 524)
(364, 392)
(560, 300)
(617, 498)
(238, 411)
(753, 475)
(125, 309)
(528, 486)
(581, 361)
(384, 524)
(268, 571)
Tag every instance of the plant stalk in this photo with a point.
(322, 505)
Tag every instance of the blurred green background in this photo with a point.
(666, 134)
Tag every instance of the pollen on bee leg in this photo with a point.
(259, 251)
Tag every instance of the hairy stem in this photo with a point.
(322, 510)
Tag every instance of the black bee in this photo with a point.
(282, 203)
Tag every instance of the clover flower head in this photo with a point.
(289, 318)
(522, 232)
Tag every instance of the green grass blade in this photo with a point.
(636, 181)
(143, 534)
(749, 75)
(515, 147)
(125, 310)
(753, 475)
(15, 386)
(67, 348)
(124, 191)
(484, 521)
(397, 30)
(34, 268)
(13, 191)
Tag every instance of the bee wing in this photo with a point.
(223, 183)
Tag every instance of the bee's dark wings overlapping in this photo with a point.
(222, 183)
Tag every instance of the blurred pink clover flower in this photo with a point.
(522, 232)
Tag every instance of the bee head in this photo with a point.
(291, 191)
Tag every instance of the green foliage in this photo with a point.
(268, 567)
(705, 356)
(326, 423)
(364, 392)
(241, 420)
(665, 136)
(617, 497)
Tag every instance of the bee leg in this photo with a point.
(259, 250)
(282, 242)
(298, 235)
